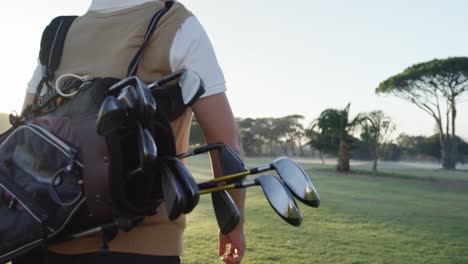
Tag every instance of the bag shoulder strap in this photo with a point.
(52, 43)
(50, 53)
(135, 62)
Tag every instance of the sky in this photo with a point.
(286, 57)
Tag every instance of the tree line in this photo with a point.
(265, 136)
(371, 138)
(437, 87)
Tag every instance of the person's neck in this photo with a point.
(114, 5)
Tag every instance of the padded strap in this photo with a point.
(50, 54)
(135, 63)
(52, 43)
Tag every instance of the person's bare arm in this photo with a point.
(28, 99)
(218, 124)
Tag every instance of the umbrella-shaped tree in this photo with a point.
(435, 87)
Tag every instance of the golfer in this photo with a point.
(101, 43)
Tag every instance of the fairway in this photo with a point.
(360, 220)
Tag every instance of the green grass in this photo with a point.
(407, 170)
(360, 220)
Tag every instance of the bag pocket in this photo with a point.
(23, 225)
(40, 188)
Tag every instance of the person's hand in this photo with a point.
(236, 242)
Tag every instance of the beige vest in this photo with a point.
(102, 45)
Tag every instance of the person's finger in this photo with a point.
(232, 250)
(237, 250)
(228, 256)
(222, 245)
(239, 254)
(232, 258)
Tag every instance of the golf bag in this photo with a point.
(59, 177)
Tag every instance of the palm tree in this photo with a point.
(376, 130)
(337, 124)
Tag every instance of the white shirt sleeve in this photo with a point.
(192, 50)
(36, 78)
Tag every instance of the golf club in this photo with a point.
(175, 199)
(112, 115)
(188, 184)
(148, 148)
(190, 84)
(295, 178)
(127, 97)
(166, 79)
(276, 193)
(189, 81)
(290, 172)
(147, 151)
(136, 93)
(146, 104)
(226, 211)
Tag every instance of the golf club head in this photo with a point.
(230, 161)
(148, 149)
(127, 97)
(112, 115)
(173, 194)
(146, 105)
(297, 181)
(280, 199)
(191, 86)
(226, 211)
(117, 87)
(187, 182)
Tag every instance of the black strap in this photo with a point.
(33, 107)
(50, 54)
(52, 43)
(135, 63)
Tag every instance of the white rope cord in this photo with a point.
(58, 83)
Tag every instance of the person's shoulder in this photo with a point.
(180, 5)
(180, 10)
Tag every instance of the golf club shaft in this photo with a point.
(86, 233)
(238, 175)
(199, 150)
(237, 185)
(166, 79)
